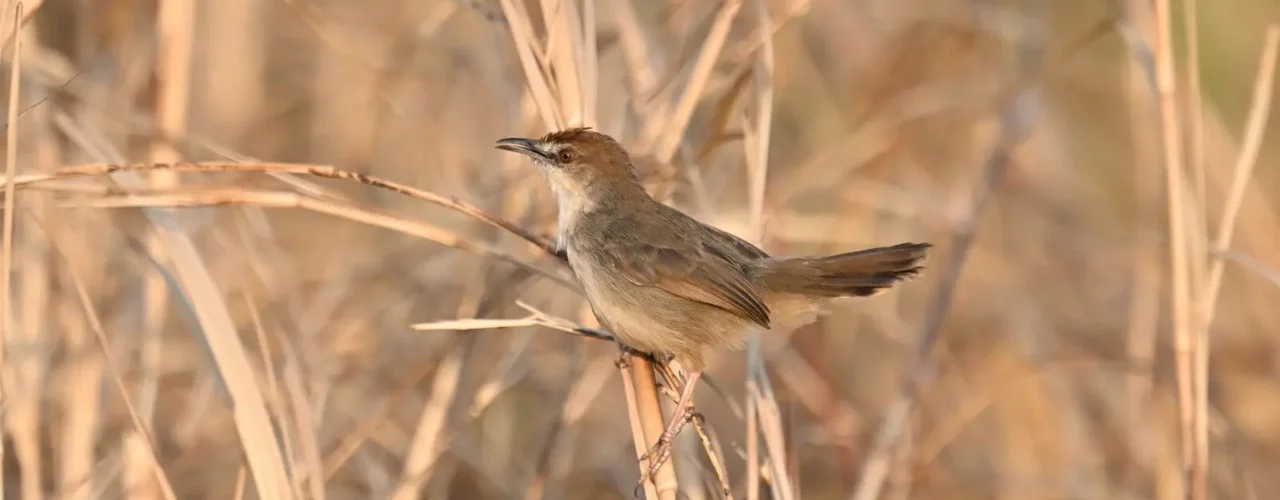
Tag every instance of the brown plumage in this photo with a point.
(664, 283)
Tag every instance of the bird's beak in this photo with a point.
(523, 146)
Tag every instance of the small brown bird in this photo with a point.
(666, 284)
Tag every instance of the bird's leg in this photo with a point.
(661, 451)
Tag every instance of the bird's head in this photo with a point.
(578, 163)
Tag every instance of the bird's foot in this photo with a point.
(660, 452)
(657, 455)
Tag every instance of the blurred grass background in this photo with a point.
(1054, 369)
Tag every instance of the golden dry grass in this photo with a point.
(1097, 320)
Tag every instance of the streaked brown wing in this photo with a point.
(696, 271)
(726, 241)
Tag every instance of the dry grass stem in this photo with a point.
(535, 76)
(100, 169)
(1254, 131)
(1253, 265)
(6, 259)
(252, 419)
(1180, 210)
(636, 417)
(424, 450)
(649, 410)
(667, 131)
(535, 318)
(284, 199)
(770, 417)
(715, 454)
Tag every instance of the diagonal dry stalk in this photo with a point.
(715, 454)
(287, 199)
(1254, 131)
(191, 197)
(99, 169)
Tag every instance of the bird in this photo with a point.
(666, 284)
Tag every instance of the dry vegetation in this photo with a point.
(1098, 319)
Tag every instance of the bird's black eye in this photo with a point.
(565, 156)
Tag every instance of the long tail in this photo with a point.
(862, 273)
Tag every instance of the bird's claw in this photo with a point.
(660, 452)
(657, 454)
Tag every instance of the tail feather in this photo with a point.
(858, 274)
